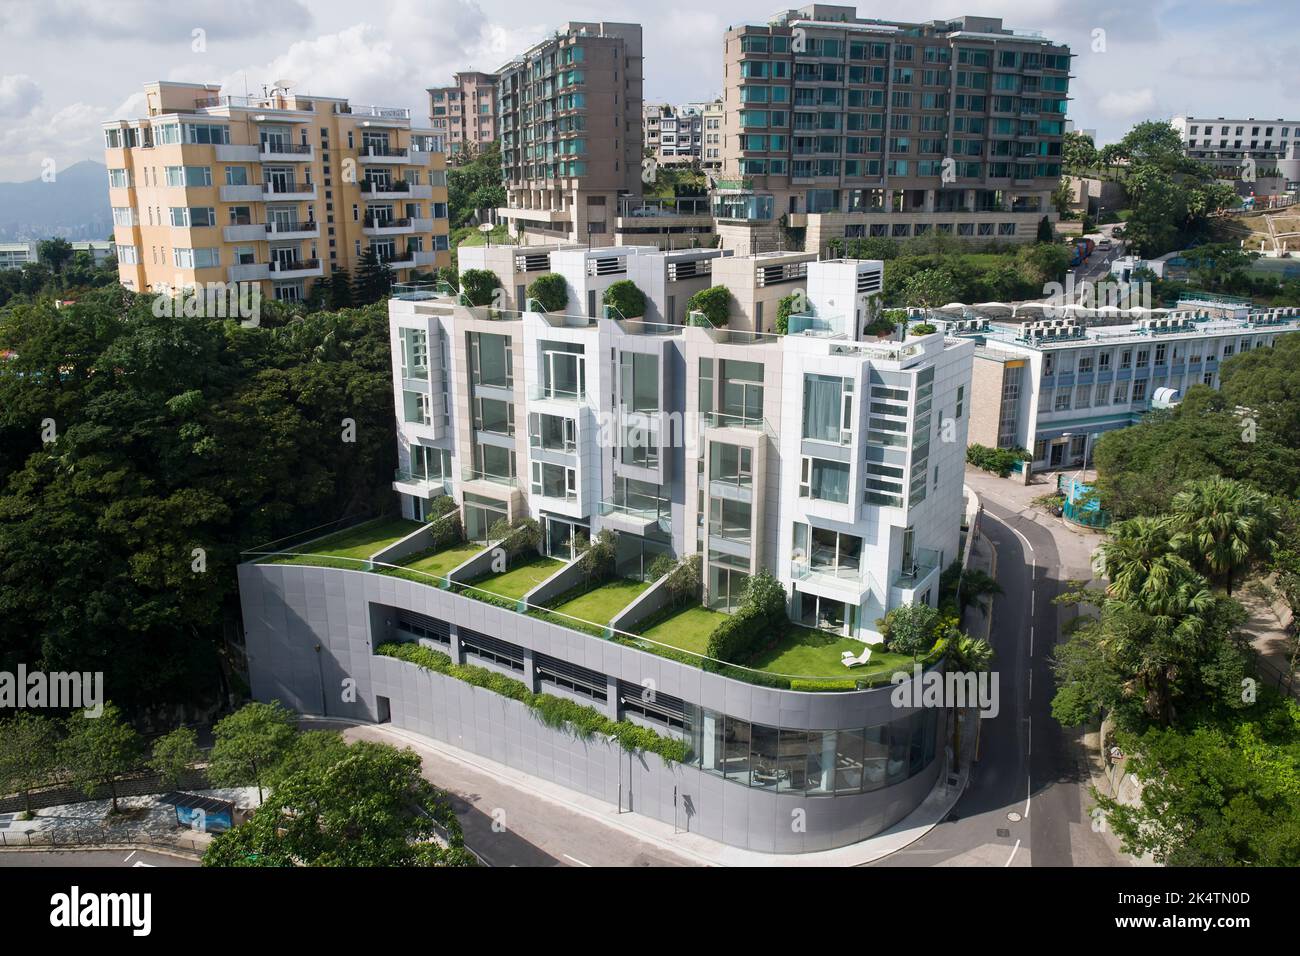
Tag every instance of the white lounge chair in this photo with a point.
(849, 660)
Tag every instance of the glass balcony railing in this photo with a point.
(646, 509)
(473, 474)
(729, 420)
(412, 477)
(560, 392)
(924, 562)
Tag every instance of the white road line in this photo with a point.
(1028, 785)
(1013, 854)
(1031, 640)
(576, 860)
(1029, 739)
(142, 863)
(1031, 685)
(128, 859)
(1021, 537)
(1033, 600)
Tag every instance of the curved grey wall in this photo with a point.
(292, 610)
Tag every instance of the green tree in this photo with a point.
(373, 280)
(968, 655)
(338, 294)
(1045, 231)
(598, 557)
(249, 744)
(55, 253)
(627, 298)
(1217, 265)
(98, 751)
(312, 751)
(1224, 793)
(714, 303)
(174, 754)
(930, 288)
(28, 745)
(1223, 526)
(479, 286)
(551, 291)
(910, 629)
(1078, 153)
(366, 806)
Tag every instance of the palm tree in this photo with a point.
(1139, 558)
(1222, 526)
(972, 655)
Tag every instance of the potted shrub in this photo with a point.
(881, 328)
(626, 298)
(922, 328)
(714, 303)
(550, 291)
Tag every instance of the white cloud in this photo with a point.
(19, 94)
(66, 136)
(1123, 104)
(148, 19)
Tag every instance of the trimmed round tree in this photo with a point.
(624, 296)
(714, 302)
(478, 285)
(550, 291)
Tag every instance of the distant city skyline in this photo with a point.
(1132, 62)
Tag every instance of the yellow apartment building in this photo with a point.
(281, 189)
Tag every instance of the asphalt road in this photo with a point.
(1027, 801)
(83, 858)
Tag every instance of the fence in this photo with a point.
(102, 836)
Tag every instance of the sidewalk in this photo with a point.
(697, 849)
(140, 822)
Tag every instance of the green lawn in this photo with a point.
(805, 652)
(688, 629)
(441, 562)
(600, 605)
(519, 580)
(357, 543)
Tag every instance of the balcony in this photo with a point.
(384, 154)
(380, 226)
(556, 392)
(420, 485)
(636, 515)
(400, 260)
(245, 193)
(272, 152)
(295, 269)
(288, 191)
(846, 580)
(397, 189)
(244, 232)
(249, 272)
(307, 229)
(235, 153)
(502, 482)
(912, 580)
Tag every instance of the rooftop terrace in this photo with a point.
(804, 658)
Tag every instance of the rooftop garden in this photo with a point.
(755, 642)
(350, 546)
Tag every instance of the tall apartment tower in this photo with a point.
(570, 119)
(850, 127)
(465, 113)
(281, 189)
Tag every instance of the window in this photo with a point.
(236, 176)
(1063, 399)
(824, 480)
(828, 408)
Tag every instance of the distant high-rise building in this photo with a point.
(675, 134)
(850, 127)
(465, 112)
(281, 189)
(570, 130)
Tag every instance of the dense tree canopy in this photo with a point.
(139, 455)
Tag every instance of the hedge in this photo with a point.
(551, 292)
(627, 297)
(557, 712)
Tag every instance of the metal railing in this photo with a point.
(810, 683)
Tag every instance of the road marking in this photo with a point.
(576, 860)
(1031, 640)
(1021, 537)
(128, 859)
(141, 863)
(1031, 685)
(1029, 783)
(1013, 854)
(1033, 600)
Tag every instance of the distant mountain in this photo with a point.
(74, 206)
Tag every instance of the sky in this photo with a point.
(68, 65)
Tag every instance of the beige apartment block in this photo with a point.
(465, 113)
(281, 190)
(758, 283)
(850, 127)
(570, 131)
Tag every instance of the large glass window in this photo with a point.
(563, 370)
(639, 382)
(732, 464)
(492, 359)
(824, 480)
(828, 408)
(731, 520)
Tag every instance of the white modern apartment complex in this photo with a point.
(834, 462)
(1052, 385)
(1229, 143)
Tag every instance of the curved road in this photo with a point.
(1027, 803)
